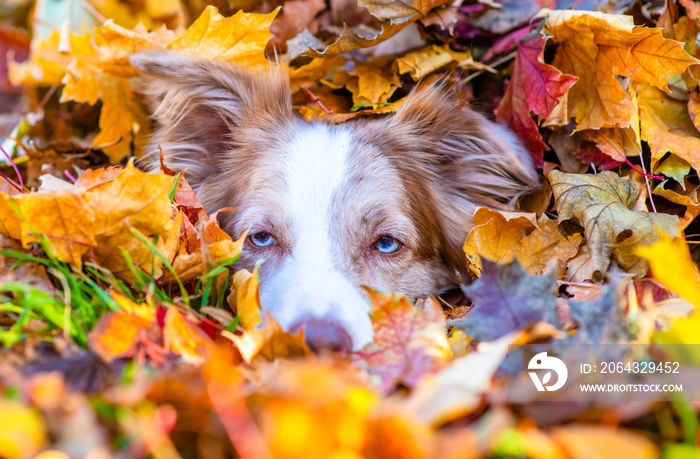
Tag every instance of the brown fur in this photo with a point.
(433, 162)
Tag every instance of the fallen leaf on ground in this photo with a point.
(408, 343)
(536, 88)
(505, 299)
(599, 205)
(499, 239)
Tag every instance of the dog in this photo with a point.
(384, 202)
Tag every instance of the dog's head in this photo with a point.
(383, 202)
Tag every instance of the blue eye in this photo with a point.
(262, 239)
(387, 244)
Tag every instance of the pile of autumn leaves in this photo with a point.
(131, 222)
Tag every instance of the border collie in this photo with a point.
(385, 202)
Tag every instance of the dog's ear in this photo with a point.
(473, 161)
(199, 106)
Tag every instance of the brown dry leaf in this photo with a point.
(498, 238)
(350, 40)
(244, 300)
(311, 73)
(582, 268)
(370, 83)
(544, 245)
(602, 442)
(446, 17)
(694, 107)
(689, 199)
(596, 47)
(295, 17)
(400, 11)
(667, 126)
(494, 236)
(424, 61)
(601, 204)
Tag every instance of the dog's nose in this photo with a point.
(324, 334)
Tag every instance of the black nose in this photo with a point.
(323, 334)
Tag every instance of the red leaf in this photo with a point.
(535, 87)
(408, 342)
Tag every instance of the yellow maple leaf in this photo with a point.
(545, 244)
(666, 125)
(134, 201)
(596, 47)
(117, 43)
(102, 219)
(61, 215)
(240, 38)
(120, 117)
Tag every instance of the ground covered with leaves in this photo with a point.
(124, 331)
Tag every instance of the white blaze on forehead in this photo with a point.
(308, 283)
(315, 168)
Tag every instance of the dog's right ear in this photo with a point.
(200, 106)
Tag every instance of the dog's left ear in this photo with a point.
(201, 107)
(472, 161)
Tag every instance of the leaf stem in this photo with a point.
(311, 97)
(646, 178)
(14, 166)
